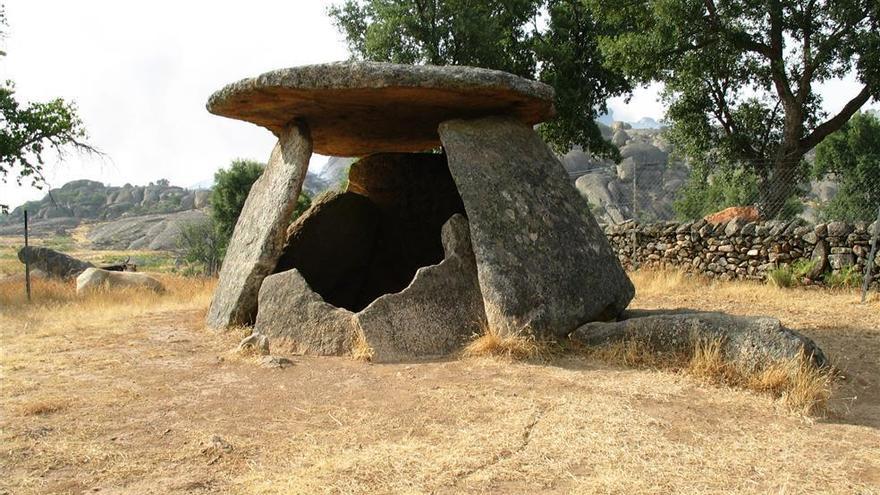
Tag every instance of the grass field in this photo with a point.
(128, 393)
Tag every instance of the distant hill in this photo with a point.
(92, 200)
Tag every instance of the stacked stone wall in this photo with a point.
(747, 250)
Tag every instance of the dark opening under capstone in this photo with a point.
(355, 246)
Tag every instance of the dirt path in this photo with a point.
(155, 404)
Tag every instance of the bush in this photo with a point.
(201, 246)
(231, 189)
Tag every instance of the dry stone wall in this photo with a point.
(747, 250)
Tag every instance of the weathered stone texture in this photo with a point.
(751, 342)
(437, 313)
(358, 108)
(543, 261)
(259, 234)
(291, 310)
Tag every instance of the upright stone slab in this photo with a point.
(543, 262)
(260, 232)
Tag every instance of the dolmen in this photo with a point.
(457, 218)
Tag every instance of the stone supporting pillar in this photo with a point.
(259, 234)
(543, 263)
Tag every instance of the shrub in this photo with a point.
(781, 277)
(201, 246)
(847, 277)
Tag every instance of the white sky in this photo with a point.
(141, 73)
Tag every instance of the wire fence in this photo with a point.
(648, 192)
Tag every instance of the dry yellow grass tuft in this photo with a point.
(360, 349)
(800, 386)
(512, 346)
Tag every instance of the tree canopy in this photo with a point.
(852, 155)
(497, 34)
(28, 131)
(740, 76)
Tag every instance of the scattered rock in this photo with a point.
(96, 279)
(52, 263)
(254, 342)
(275, 362)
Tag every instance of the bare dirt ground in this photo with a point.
(128, 393)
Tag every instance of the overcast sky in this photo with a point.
(141, 73)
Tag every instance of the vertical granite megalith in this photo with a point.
(543, 262)
(260, 232)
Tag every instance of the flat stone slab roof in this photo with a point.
(359, 108)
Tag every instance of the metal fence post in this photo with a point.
(869, 266)
(27, 259)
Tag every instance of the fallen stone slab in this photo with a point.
(544, 264)
(97, 279)
(359, 108)
(259, 234)
(751, 342)
(53, 263)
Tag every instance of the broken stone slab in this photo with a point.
(260, 231)
(751, 342)
(359, 108)
(52, 263)
(434, 315)
(437, 313)
(292, 311)
(543, 262)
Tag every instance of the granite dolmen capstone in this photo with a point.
(457, 218)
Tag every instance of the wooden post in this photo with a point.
(27, 259)
(869, 266)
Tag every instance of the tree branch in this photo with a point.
(819, 133)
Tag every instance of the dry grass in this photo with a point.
(42, 407)
(360, 349)
(801, 387)
(521, 345)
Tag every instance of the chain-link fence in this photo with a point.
(649, 192)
